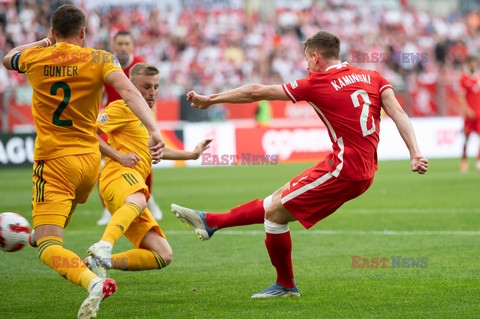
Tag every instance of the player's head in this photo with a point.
(123, 46)
(145, 78)
(472, 63)
(322, 43)
(69, 22)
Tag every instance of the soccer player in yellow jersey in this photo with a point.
(67, 82)
(127, 165)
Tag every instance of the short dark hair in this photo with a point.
(67, 21)
(325, 43)
(123, 32)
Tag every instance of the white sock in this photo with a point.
(104, 242)
(267, 202)
(93, 282)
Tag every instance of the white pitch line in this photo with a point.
(346, 232)
(413, 211)
(373, 211)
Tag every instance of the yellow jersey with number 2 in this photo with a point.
(67, 83)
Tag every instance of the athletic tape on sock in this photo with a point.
(274, 228)
(267, 202)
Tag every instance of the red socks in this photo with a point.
(245, 214)
(279, 247)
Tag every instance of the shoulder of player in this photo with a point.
(102, 56)
(35, 51)
(138, 59)
(117, 107)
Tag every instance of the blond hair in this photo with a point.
(142, 68)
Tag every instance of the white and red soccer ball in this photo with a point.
(14, 232)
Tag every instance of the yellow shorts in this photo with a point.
(60, 184)
(115, 187)
(141, 226)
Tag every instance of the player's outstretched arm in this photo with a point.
(174, 154)
(244, 94)
(128, 160)
(393, 109)
(140, 108)
(7, 59)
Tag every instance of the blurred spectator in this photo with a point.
(216, 48)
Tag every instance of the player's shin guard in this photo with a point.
(138, 259)
(68, 264)
(279, 247)
(249, 213)
(121, 220)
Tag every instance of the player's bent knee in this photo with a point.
(165, 257)
(168, 258)
(137, 198)
(159, 246)
(278, 214)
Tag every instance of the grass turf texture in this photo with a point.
(403, 214)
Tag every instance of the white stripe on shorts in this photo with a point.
(307, 187)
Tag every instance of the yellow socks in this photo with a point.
(120, 221)
(138, 259)
(64, 261)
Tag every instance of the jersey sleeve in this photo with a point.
(110, 64)
(297, 90)
(112, 117)
(20, 60)
(383, 84)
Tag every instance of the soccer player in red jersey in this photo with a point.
(123, 48)
(347, 100)
(469, 98)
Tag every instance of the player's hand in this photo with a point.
(201, 147)
(419, 164)
(129, 160)
(156, 145)
(198, 101)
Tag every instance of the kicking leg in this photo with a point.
(205, 224)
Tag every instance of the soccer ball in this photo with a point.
(14, 231)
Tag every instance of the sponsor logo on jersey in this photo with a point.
(103, 118)
(116, 63)
(294, 85)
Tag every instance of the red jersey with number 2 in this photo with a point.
(347, 100)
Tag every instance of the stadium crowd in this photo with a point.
(213, 50)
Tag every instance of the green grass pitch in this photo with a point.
(436, 216)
